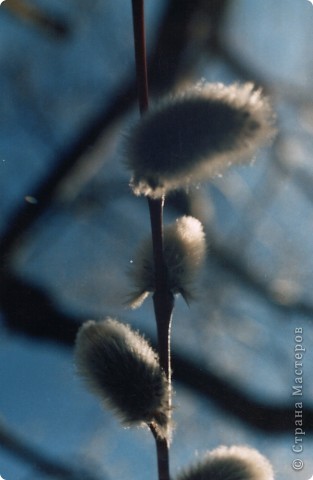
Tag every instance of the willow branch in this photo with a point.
(163, 300)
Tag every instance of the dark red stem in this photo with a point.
(162, 455)
(140, 54)
(163, 299)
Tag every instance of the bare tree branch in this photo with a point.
(39, 461)
(26, 12)
(40, 318)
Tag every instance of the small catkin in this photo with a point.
(119, 365)
(194, 135)
(231, 463)
(184, 253)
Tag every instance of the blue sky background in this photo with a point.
(259, 215)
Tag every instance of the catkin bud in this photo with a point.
(192, 136)
(120, 366)
(184, 252)
(231, 463)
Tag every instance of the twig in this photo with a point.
(162, 454)
(162, 298)
(140, 54)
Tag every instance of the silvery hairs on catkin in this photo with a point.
(119, 365)
(196, 134)
(231, 463)
(184, 254)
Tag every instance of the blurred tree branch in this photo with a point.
(188, 31)
(39, 461)
(38, 316)
(27, 12)
(164, 72)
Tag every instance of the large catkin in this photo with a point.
(194, 135)
(119, 365)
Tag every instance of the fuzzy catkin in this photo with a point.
(194, 135)
(231, 463)
(119, 365)
(184, 253)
